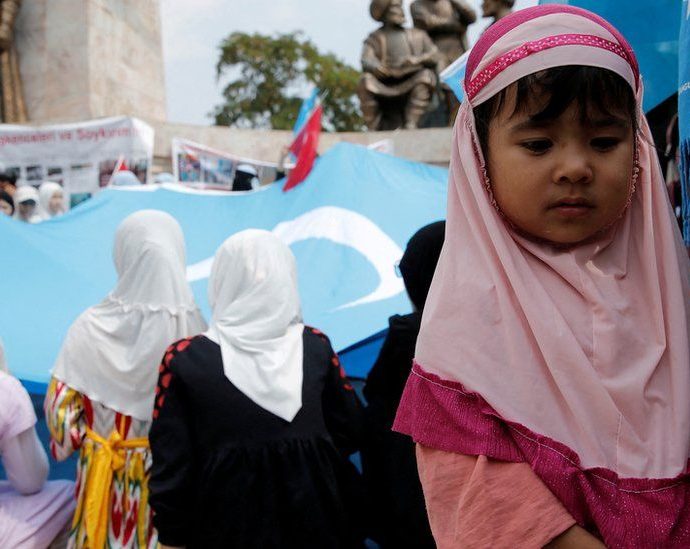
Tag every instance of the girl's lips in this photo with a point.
(572, 210)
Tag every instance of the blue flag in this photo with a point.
(684, 116)
(651, 27)
(305, 110)
(454, 75)
(346, 244)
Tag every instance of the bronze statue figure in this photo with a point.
(399, 70)
(497, 9)
(12, 106)
(446, 21)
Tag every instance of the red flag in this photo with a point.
(304, 148)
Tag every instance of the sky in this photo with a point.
(193, 30)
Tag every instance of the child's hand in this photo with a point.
(576, 538)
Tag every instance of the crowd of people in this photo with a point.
(28, 204)
(538, 395)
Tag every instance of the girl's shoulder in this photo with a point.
(316, 339)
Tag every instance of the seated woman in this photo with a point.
(254, 419)
(101, 396)
(33, 512)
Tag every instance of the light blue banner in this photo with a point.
(347, 224)
(651, 27)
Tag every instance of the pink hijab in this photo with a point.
(587, 347)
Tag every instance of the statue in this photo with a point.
(399, 70)
(497, 9)
(13, 109)
(446, 21)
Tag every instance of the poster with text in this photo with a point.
(80, 156)
(197, 163)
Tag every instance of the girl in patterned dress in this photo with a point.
(100, 398)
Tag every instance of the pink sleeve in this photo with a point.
(474, 501)
(16, 410)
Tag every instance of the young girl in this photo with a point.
(254, 420)
(100, 399)
(550, 398)
(51, 201)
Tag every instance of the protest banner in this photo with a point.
(197, 163)
(80, 156)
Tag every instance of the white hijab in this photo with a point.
(45, 195)
(257, 320)
(25, 193)
(112, 351)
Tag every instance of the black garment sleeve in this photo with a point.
(171, 448)
(342, 408)
(386, 380)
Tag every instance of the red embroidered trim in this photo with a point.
(164, 373)
(527, 49)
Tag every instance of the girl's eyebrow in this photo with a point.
(609, 121)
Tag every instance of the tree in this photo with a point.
(269, 72)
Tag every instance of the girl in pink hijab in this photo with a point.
(550, 396)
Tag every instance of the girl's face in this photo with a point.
(55, 205)
(5, 208)
(562, 180)
(26, 209)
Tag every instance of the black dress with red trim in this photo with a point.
(228, 473)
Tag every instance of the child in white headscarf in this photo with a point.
(101, 396)
(26, 204)
(51, 200)
(254, 419)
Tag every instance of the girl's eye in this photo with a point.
(537, 146)
(605, 143)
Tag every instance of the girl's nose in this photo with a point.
(573, 167)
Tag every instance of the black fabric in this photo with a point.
(419, 261)
(242, 181)
(388, 458)
(7, 198)
(227, 473)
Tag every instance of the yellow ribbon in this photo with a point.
(107, 458)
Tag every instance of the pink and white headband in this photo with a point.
(506, 51)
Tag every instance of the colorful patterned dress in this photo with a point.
(112, 473)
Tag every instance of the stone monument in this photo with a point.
(12, 107)
(83, 59)
(497, 9)
(399, 67)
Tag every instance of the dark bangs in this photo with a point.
(546, 94)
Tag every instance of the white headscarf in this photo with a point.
(112, 351)
(257, 320)
(45, 195)
(24, 193)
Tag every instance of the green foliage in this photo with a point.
(267, 74)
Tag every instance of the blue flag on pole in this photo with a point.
(684, 116)
(651, 27)
(305, 110)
